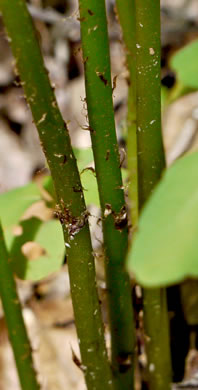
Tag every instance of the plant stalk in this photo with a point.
(151, 163)
(71, 208)
(126, 16)
(95, 46)
(15, 323)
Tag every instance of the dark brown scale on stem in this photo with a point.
(120, 219)
(72, 223)
(107, 155)
(102, 78)
(89, 169)
(64, 160)
(77, 189)
(90, 12)
(85, 60)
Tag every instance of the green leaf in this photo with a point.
(165, 248)
(14, 203)
(48, 186)
(84, 157)
(42, 258)
(164, 96)
(89, 184)
(184, 62)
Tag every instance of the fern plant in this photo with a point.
(150, 263)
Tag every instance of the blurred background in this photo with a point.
(47, 304)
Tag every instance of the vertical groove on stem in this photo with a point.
(15, 323)
(151, 162)
(71, 208)
(96, 59)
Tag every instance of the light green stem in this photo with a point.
(126, 15)
(15, 323)
(96, 60)
(71, 208)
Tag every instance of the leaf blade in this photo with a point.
(184, 62)
(165, 247)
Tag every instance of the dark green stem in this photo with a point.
(126, 15)
(156, 327)
(71, 208)
(151, 162)
(15, 323)
(96, 59)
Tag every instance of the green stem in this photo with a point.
(126, 15)
(96, 59)
(71, 206)
(156, 327)
(151, 162)
(132, 158)
(15, 323)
